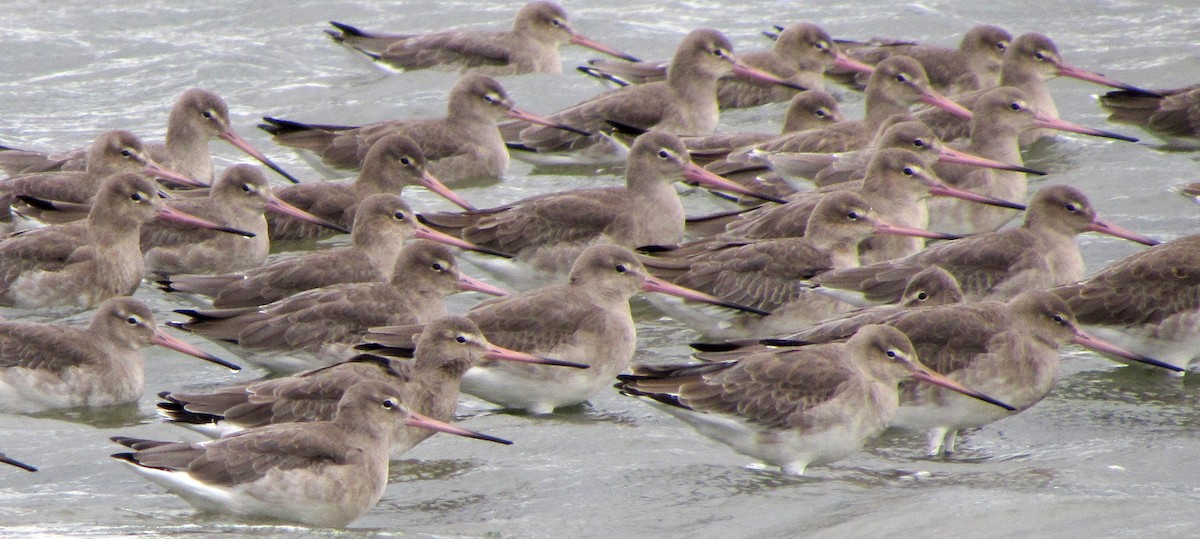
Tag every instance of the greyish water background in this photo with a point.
(1112, 452)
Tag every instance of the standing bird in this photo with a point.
(325, 473)
(539, 29)
(238, 199)
(793, 407)
(586, 320)
(393, 162)
(50, 366)
(464, 146)
(547, 232)
(85, 263)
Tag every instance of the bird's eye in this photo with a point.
(207, 114)
(909, 171)
(1059, 319)
(1040, 55)
(901, 78)
(1002, 45)
(919, 143)
(246, 187)
(891, 353)
(1014, 106)
(664, 154)
(821, 113)
(853, 216)
(921, 296)
(136, 197)
(132, 320)
(405, 161)
(621, 268)
(437, 266)
(388, 404)
(1071, 207)
(717, 53)
(126, 153)
(556, 22)
(821, 45)
(461, 338)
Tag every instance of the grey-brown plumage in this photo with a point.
(683, 104)
(238, 199)
(429, 385)
(1001, 115)
(393, 162)
(800, 56)
(896, 185)
(320, 326)
(768, 274)
(1039, 254)
(975, 64)
(324, 473)
(548, 231)
(538, 30)
(110, 153)
(810, 109)
(1173, 115)
(1030, 61)
(461, 147)
(48, 366)
(382, 224)
(789, 407)
(83, 263)
(1148, 302)
(586, 320)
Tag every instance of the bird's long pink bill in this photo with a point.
(950, 155)
(1104, 227)
(430, 182)
(747, 72)
(471, 284)
(884, 227)
(584, 41)
(13, 462)
(931, 97)
(277, 205)
(505, 354)
(841, 61)
(695, 173)
(1092, 342)
(417, 420)
(936, 379)
(1063, 125)
(1066, 70)
(941, 189)
(430, 234)
(158, 171)
(535, 119)
(165, 340)
(235, 139)
(168, 213)
(654, 284)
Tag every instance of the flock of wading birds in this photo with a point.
(828, 319)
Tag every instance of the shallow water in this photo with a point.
(1112, 452)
